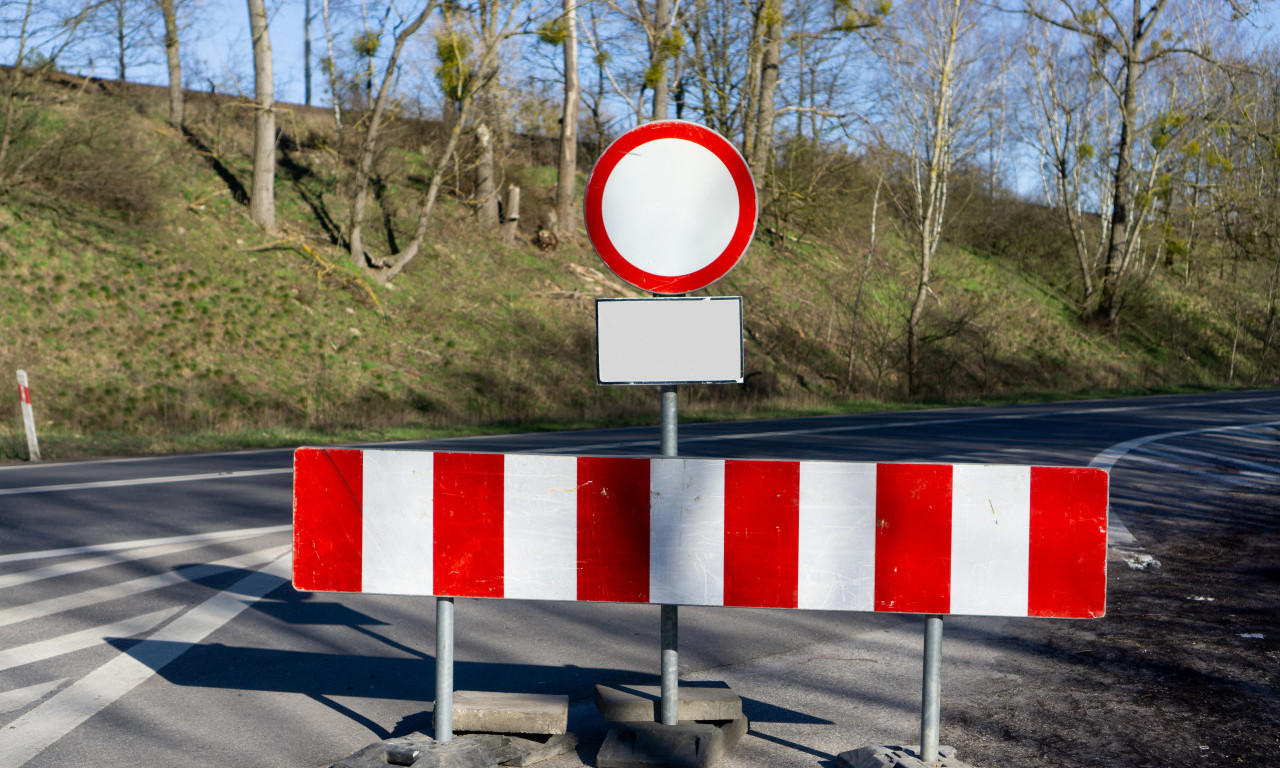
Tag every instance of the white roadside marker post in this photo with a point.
(28, 418)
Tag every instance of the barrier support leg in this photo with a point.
(930, 700)
(444, 669)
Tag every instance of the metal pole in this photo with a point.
(444, 669)
(670, 618)
(930, 700)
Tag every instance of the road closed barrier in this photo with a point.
(911, 538)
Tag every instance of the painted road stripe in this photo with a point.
(143, 481)
(134, 587)
(77, 566)
(20, 698)
(1180, 454)
(85, 638)
(38, 729)
(242, 533)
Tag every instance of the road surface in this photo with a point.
(145, 616)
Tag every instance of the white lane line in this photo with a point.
(143, 481)
(1108, 458)
(37, 730)
(76, 566)
(85, 638)
(136, 586)
(242, 533)
(18, 698)
(1217, 477)
(1173, 452)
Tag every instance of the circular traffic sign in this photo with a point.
(670, 206)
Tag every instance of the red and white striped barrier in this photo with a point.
(913, 538)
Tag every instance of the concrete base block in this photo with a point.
(640, 703)
(653, 745)
(489, 712)
(476, 751)
(538, 748)
(897, 757)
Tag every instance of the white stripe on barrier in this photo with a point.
(398, 521)
(540, 517)
(837, 560)
(686, 532)
(990, 534)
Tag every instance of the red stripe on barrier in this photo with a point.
(761, 533)
(327, 519)
(467, 524)
(613, 529)
(913, 538)
(25, 394)
(1068, 548)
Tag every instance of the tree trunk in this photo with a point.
(485, 190)
(331, 71)
(262, 206)
(755, 55)
(177, 104)
(658, 56)
(769, 61)
(511, 216)
(567, 167)
(121, 47)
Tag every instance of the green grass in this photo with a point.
(178, 326)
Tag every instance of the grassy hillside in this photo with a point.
(151, 315)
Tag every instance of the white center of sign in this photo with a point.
(670, 207)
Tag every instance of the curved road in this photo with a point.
(145, 617)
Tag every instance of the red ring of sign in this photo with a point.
(742, 179)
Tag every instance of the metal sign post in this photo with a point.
(670, 617)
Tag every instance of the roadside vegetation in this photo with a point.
(155, 309)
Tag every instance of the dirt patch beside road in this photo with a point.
(1183, 671)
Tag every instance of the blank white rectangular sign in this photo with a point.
(669, 340)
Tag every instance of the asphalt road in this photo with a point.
(145, 617)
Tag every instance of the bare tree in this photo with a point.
(941, 71)
(1125, 45)
(368, 149)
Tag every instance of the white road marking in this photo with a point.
(37, 730)
(1217, 477)
(136, 586)
(143, 481)
(242, 533)
(89, 563)
(1173, 452)
(78, 641)
(12, 701)
(1108, 458)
